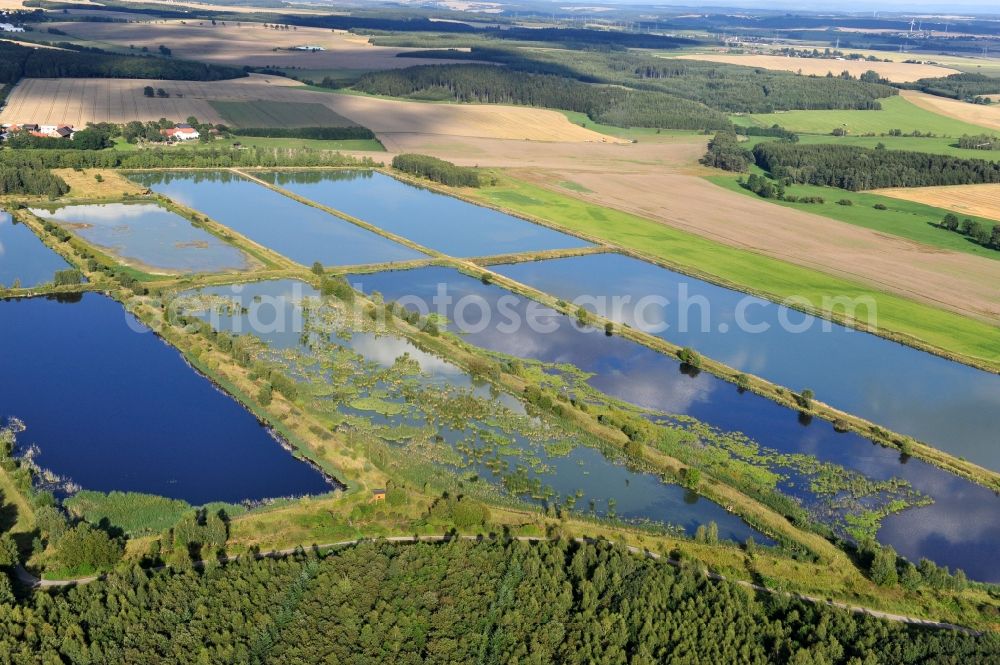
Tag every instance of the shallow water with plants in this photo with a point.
(108, 406)
(944, 403)
(148, 236)
(433, 220)
(296, 230)
(430, 420)
(25, 261)
(856, 487)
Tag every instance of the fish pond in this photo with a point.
(949, 405)
(439, 422)
(108, 406)
(856, 487)
(430, 219)
(148, 236)
(302, 233)
(24, 259)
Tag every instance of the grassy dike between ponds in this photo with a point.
(312, 519)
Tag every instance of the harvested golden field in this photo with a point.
(239, 44)
(886, 262)
(78, 101)
(979, 200)
(674, 153)
(390, 117)
(977, 114)
(900, 72)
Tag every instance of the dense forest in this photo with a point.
(437, 170)
(856, 168)
(498, 602)
(18, 61)
(487, 84)
(728, 88)
(29, 180)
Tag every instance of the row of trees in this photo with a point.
(987, 235)
(549, 602)
(487, 84)
(318, 133)
(162, 158)
(979, 142)
(856, 168)
(437, 170)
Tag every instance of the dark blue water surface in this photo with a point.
(946, 404)
(273, 310)
(430, 219)
(961, 529)
(300, 232)
(24, 257)
(112, 407)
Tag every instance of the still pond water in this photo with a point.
(960, 529)
(112, 407)
(23, 257)
(298, 231)
(273, 310)
(951, 406)
(433, 220)
(148, 236)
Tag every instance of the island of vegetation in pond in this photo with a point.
(107, 406)
(148, 237)
(944, 403)
(433, 220)
(429, 421)
(302, 233)
(25, 261)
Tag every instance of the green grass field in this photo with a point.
(944, 330)
(896, 113)
(262, 113)
(914, 221)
